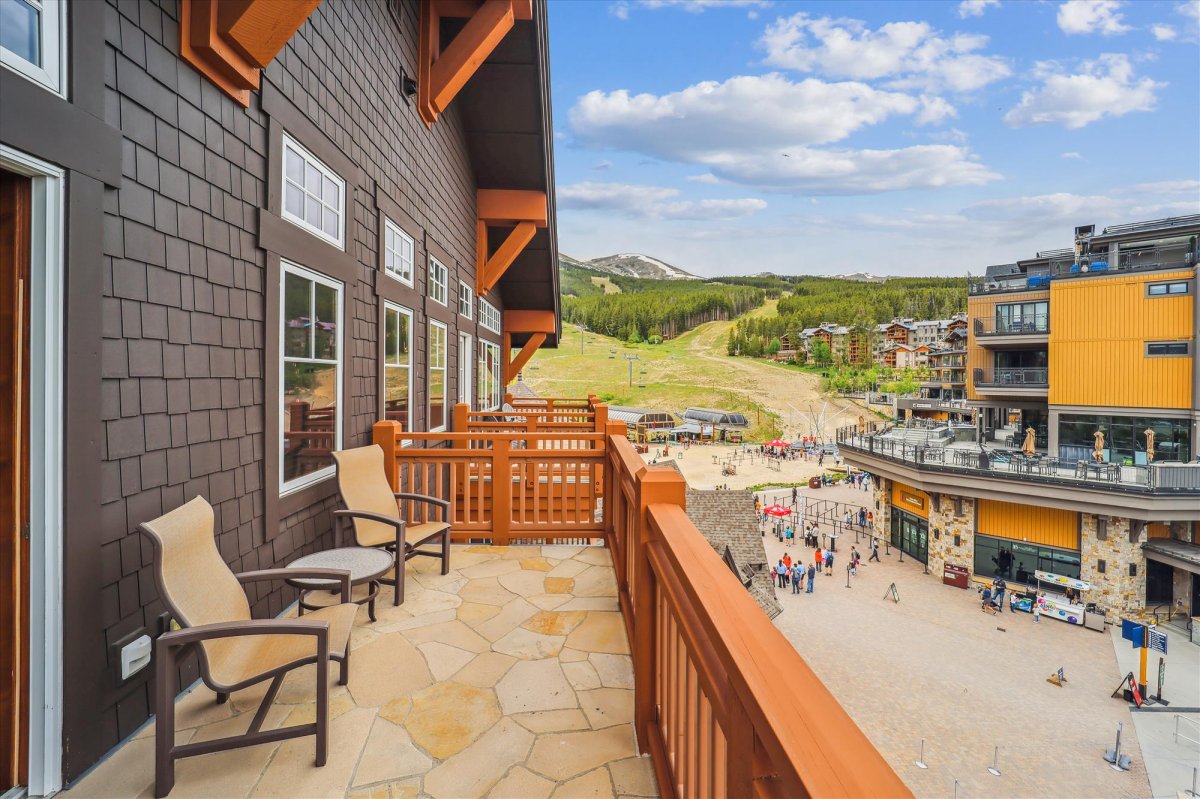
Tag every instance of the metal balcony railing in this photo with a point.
(1036, 324)
(1007, 376)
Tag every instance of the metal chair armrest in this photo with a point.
(237, 629)
(445, 503)
(341, 575)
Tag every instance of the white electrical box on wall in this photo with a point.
(135, 656)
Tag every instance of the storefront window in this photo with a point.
(911, 534)
(1017, 560)
(1124, 437)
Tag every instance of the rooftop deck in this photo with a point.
(509, 676)
(597, 647)
(936, 449)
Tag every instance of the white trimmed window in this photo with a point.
(466, 300)
(437, 377)
(439, 281)
(488, 383)
(310, 376)
(489, 316)
(398, 249)
(397, 364)
(314, 197)
(33, 41)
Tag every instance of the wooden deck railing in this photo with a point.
(723, 702)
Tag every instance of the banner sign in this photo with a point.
(1131, 631)
(1157, 641)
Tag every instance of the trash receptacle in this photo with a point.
(954, 575)
(814, 482)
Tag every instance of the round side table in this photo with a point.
(365, 564)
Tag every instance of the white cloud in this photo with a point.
(760, 111)
(909, 54)
(975, 8)
(807, 170)
(1102, 88)
(761, 131)
(1091, 16)
(619, 9)
(601, 166)
(652, 202)
(703, 178)
(1072, 156)
(1164, 33)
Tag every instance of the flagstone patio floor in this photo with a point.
(508, 677)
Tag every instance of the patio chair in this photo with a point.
(375, 513)
(235, 651)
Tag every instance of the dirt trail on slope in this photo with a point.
(794, 395)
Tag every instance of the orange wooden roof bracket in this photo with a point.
(230, 42)
(526, 211)
(442, 74)
(513, 367)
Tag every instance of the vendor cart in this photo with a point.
(1058, 597)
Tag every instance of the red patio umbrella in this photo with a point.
(777, 510)
(779, 442)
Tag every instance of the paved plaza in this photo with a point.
(508, 678)
(934, 666)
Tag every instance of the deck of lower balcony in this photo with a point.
(509, 676)
(595, 646)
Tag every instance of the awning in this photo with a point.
(1179, 554)
(687, 428)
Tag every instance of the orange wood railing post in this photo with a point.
(502, 492)
(613, 498)
(387, 435)
(661, 486)
(462, 413)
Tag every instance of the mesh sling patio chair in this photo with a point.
(375, 512)
(235, 651)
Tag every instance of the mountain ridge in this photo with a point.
(631, 264)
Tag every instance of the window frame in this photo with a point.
(495, 384)
(466, 299)
(287, 266)
(1187, 349)
(391, 226)
(1167, 284)
(290, 141)
(464, 358)
(434, 264)
(403, 311)
(429, 370)
(485, 317)
(51, 75)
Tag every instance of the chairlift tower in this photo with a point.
(631, 359)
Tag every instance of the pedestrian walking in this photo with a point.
(854, 561)
(829, 563)
(818, 558)
(870, 520)
(779, 569)
(1037, 609)
(812, 572)
(790, 535)
(862, 518)
(797, 577)
(998, 588)
(795, 494)
(874, 550)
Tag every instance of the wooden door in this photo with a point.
(15, 197)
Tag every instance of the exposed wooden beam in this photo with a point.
(259, 29)
(513, 367)
(509, 206)
(443, 73)
(495, 266)
(529, 322)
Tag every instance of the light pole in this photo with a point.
(631, 359)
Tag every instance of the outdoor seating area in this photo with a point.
(509, 675)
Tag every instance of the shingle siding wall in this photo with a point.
(183, 362)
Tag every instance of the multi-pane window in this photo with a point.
(310, 375)
(397, 364)
(1023, 317)
(465, 364)
(1174, 288)
(466, 300)
(398, 249)
(313, 194)
(489, 381)
(438, 281)
(437, 376)
(1167, 349)
(33, 40)
(489, 316)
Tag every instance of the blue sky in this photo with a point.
(907, 138)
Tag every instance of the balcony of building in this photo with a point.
(587, 641)
(1006, 331)
(1011, 381)
(952, 458)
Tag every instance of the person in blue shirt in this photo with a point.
(812, 572)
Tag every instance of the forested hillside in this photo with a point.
(645, 309)
(813, 300)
